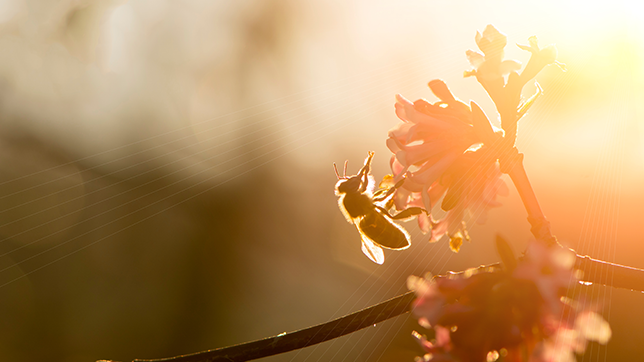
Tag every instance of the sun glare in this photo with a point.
(609, 36)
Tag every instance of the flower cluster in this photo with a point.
(519, 313)
(449, 150)
(435, 151)
(447, 154)
(501, 78)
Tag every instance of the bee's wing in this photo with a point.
(371, 250)
(383, 231)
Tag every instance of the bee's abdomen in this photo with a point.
(383, 231)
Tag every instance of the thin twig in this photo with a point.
(596, 270)
(610, 274)
(302, 338)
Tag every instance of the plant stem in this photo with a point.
(524, 188)
(595, 271)
(540, 225)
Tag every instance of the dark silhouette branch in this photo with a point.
(610, 274)
(302, 338)
(595, 271)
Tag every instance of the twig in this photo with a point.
(610, 274)
(303, 338)
(599, 272)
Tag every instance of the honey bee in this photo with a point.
(361, 208)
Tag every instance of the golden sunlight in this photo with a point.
(167, 165)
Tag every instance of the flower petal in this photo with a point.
(428, 175)
(594, 327)
(508, 66)
(440, 90)
(424, 223)
(475, 58)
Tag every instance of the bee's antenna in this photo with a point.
(345, 168)
(335, 168)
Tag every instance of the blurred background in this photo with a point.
(166, 181)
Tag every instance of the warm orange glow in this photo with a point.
(166, 166)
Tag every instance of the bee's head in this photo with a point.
(352, 184)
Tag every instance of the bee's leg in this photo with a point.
(407, 213)
(390, 191)
(382, 209)
(364, 182)
(364, 173)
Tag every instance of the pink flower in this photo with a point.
(567, 340)
(550, 269)
(473, 184)
(429, 148)
(430, 137)
(490, 65)
(429, 302)
(438, 349)
(539, 59)
(477, 313)
(501, 78)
